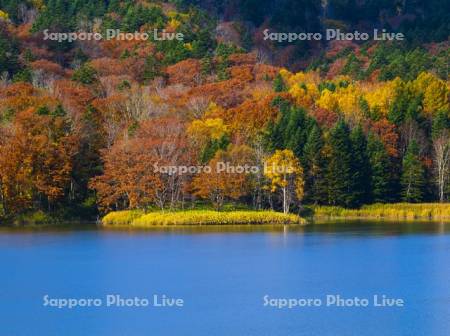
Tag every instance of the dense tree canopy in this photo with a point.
(139, 124)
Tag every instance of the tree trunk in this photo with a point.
(285, 207)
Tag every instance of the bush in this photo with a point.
(33, 219)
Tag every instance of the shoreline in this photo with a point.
(388, 211)
(139, 219)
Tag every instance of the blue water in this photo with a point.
(222, 278)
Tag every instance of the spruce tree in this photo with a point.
(290, 131)
(441, 122)
(406, 106)
(295, 132)
(315, 167)
(360, 168)
(380, 164)
(339, 172)
(278, 84)
(413, 175)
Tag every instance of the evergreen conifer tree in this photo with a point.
(360, 168)
(315, 167)
(381, 179)
(278, 84)
(339, 172)
(413, 175)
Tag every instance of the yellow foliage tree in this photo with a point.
(435, 92)
(285, 173)
(202, 132)
(212, 128)
(214, 111)
(304, 94)
(3, 15)
(174, 24)
(348, 99)
(328, 101)
(380, 96)
(38, 4)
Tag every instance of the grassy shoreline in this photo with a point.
(396, 211)
(140, 219)
(202, 217)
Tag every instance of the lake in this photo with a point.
(231, 281)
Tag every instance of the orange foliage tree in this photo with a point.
(36, 161)
(228, 177)
(136, 168)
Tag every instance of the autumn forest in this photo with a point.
(93, 126)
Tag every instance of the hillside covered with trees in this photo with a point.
(101, 125)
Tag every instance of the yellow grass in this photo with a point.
(121, 217)
(430, 211)
(197, 217)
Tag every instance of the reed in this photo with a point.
(430, 211)
(138, 219)
(121, 217)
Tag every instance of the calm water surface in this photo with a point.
(223, 274)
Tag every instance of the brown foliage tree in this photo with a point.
(135, 168)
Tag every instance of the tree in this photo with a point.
(441, 148)
(315, 167)
(360, 168)
(387, 133)
(136, 168)
(86, 74)
(291, 130)
(36, 161)
(225, 179)
(208, 136)
(435, 93)
(380, 166)
(286, 174)
(340, 169)
(278, 84)
(413, 175)
(9, 51)
(406, 105)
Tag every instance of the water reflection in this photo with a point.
(343, 227)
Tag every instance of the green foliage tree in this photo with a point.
(441, 123)
(278, 84)
(138, 15)
(23, 75)
(340, 168)
(360, 168)
(223, 52)
(152, 68)
(315, 167)
(202, 43)
(407, 105)
(174, 51)
(9, 49)
(86, 74)
(57, 16)
(413, 175)
(353, 67)
(206, 65)
(380, 165)
(291, 129)
(212, 147)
